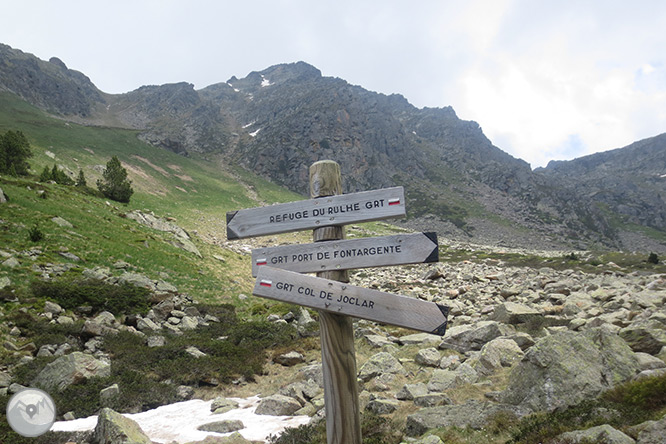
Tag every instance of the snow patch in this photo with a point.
(663, 176)
(254, 133)
(178, 422)
(265, 82)
(249, 124)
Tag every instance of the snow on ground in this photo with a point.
(254, 133)
(178, 422)
(265, 82)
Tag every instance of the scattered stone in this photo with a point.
(652, 432)
(410, 391)
(225, 426)
(5, 282)
(464, 338)
(3, 198)
(155, 341)
(603, 433)
(649, 362)
(429, 357)
(515, 313)
(420, 338)
(432, 400)
(473, 413)
(381, 406)
(222, 405)
(70, 256)
(195, 352)
(277, 405)
(290, 359)
(61, 222)
(12, 262)
(648, 337)
(69, 416)
(5, 379)
(188, 323)
(185, 392)
(378, 364)
(145, 324)
(74, 368)
(377, 341)
(108, 394)
(52, 307)
(496, 354)
(114, 428)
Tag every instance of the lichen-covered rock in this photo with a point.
(568, 367)
(603, 433)
(114, 428)
(74, 368)
(647, 337)
(225, 426)
(466, 338)
(378, 364)
(277, 405)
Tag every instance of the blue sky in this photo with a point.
(544, 79)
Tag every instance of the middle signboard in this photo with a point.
(347, 254)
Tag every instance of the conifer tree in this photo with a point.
(81, 180)
(114, 183)
(14, 151)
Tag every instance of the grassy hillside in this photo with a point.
(194, 192)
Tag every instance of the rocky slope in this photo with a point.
(278, 121)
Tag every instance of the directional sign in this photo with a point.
(347, 254)
(345, 299)
(315, 213)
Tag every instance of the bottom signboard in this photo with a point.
(349, 300)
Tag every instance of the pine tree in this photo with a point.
(46, 175)
(14, 150)
(114, 183)
(81, 180)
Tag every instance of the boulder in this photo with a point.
(432, 400)
(225, 426)
(515, 313)
(378, 364)
(429, 357)
(59, 221)
(3, 198)
(568, 367)
(496, 354)
(114, 428)
(277, 405)
(603, 433)
(647, 337)
(464, 338)
(420, 338)
(652, 432)
(411, 391)
(290, 359)
(381, 406)
(74, 368)
(222, 405)
(473, 413)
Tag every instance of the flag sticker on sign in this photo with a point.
(262, 261)
(394, 201)
(266, 283)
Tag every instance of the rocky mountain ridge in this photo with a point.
(278, 121)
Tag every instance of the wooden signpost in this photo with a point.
(330, 256)
(365, 252)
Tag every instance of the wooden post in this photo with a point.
(343, 423)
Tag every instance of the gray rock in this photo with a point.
(195, 352)
(496, 354)
(420, 338)
(464, 338)
(515, 313)
(568, 367)
(225, 426)
(45, 351)
(222, 405)
(5, 282)
(184, 392)
(411, 391)
(5, 379)
(648, 337)
(108, 394)
(377, 341)
(74, 368)
(71, 256)
(12, 262)
(188, 323)
(653, 432)
(381, 406)
(473, 413)
(105, 318)
(290, 359)
(59, 221)
(52, 307)
(429, 357)
(145, 324)
(603, 433)
(430, 439)
(378, 364)
(114, 428)
(155, 341)
(138, 280)
(649, 362)
(3, 198)
(277, 405)
(432, 400)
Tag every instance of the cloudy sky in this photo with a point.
(544, 79)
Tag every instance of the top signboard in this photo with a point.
(316, 213)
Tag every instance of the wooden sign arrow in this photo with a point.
(315, 213)
(348, 300)
(351, 253)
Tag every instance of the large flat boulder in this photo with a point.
(74, 368)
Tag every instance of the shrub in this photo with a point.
(653, 258)
(35, 234)
(72, 293)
